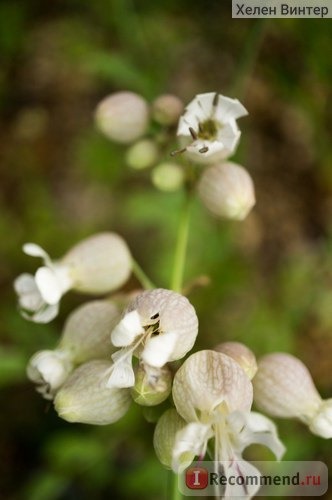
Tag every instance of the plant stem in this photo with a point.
(248, 58)
(141, 276)
(181, 245)
(173, 489)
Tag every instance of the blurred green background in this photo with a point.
(61, 180)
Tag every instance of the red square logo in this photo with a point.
(197, 478)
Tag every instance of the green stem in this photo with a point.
(141, 276)
(248, 58)
(181, 245)
(173, 489)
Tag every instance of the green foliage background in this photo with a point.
(271, 276)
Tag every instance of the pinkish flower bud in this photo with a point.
(283, 387)
(167, 109)
(227, 190)
(241, 354)
(123, 116)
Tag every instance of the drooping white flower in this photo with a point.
(85, 398)
(227, 190)
(213, 395)
(49, 369)
(96, 265)
(283, 387)
(123, 116)
(207, 130)
(158, 326)
(85, 337)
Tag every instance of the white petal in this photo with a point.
(43, 315)
(239, 468)
(48, 285)
(50, 368)
(229, 135)
(127, 330)
(122, 373)
(29, 297)
(158, 349)
(190, 442)
(36, 251)
(229, 109)
(202, 105)
(186, 122)
(25, 283)
(250, 428)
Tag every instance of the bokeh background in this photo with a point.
(61, 180)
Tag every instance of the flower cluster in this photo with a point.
(125, 349)
(208, 135)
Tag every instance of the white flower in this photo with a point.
(85, 398)
(213, 395)
(227, 190)
(158, 326)
(49, 369)
(96, 265)
(207, 130)
(123, 116)
(39, 295)
(85, 337)
(283, 387)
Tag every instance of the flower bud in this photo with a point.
(152, 385)
(49, 370)
(227, 190)
(98, 264)
(85, 398)
(241, 354)
(321, 424)
(123, 116)
(167, 109)
(87, 330)
(283, 387)
(142, 155)
(168, 176)
(164, 436)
